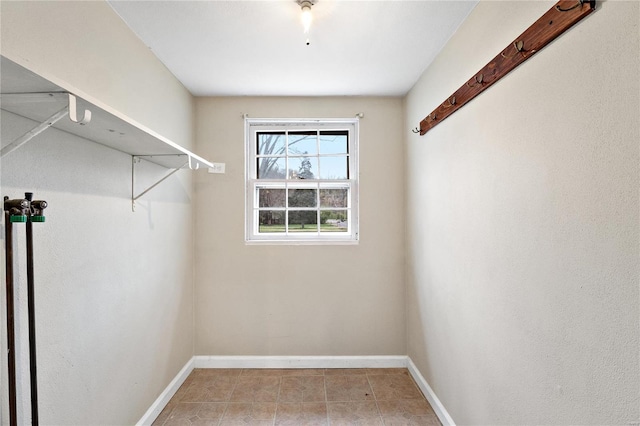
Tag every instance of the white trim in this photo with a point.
(158, 405)
(390, 361)
(252, 234)
(437, 406)
(302, 242)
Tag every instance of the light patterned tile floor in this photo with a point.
(298, 397)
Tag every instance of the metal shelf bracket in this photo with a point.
(70, 110)
(135, 159)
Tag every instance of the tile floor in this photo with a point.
(298, 397)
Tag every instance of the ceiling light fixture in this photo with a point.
(307, 17)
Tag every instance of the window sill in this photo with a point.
(301, 242)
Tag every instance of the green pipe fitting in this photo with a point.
(18, 218)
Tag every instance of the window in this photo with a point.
(301, 184)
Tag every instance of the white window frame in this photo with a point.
(252, 234)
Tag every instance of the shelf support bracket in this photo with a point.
(35, 131)
(136, 159)
(70, 110)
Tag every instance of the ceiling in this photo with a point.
(258, 48)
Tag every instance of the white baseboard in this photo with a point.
(437, 406)
(158, 405)
(391, 361)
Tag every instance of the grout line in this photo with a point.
(326, 398)
(275, 415)
(228, 401)
(375, 398)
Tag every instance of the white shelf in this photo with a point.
(29, 95)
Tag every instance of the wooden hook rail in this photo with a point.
(562, 16)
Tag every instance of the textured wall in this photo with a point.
(522, 226)
(300, 300)
(114, 288)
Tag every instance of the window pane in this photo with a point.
(333, 143)
(334, 168)
(271, 168)
(334, 221)
(271, 221)
(271, 143)
(303, 143)
(301, 180)
(334, 197)
(303, 167)
(271, 197)
(303, 221)
(302, 198)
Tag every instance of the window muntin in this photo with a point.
(302, 181)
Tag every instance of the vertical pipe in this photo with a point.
(11, 340)
(33, 372)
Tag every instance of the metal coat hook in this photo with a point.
(478, 78)
(433, 116)
(416, 130)
(449, 102)
(518, 46)
(73, 112)
(579, 4)
(197, 164)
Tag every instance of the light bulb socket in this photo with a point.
(305, 4)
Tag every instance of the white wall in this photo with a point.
(300, 300)
(522, 228)
(522, 225)
(114, 288)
